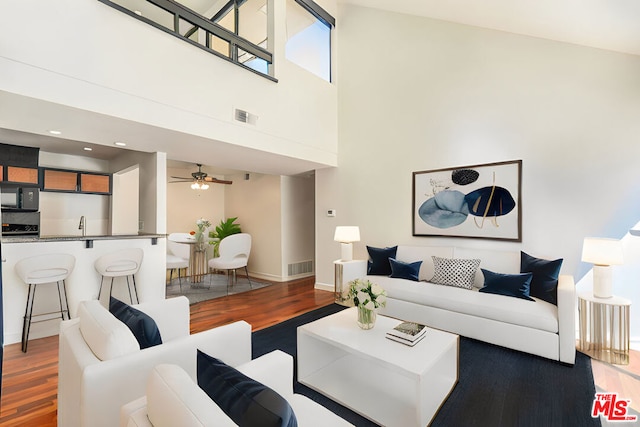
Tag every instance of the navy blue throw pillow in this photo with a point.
(142, 326)
(403, 270)
(378, 264)
(246, 401)
(544, 284)
(511, 285)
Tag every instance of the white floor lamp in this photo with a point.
(602, 253)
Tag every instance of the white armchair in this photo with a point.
(234, 254)
(97, 375)
(174, 397)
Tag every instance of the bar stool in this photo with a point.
(123, 263)
(38, 270)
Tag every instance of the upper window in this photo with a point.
(236, 29)
(309, 37)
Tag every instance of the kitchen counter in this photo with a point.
(65, 238)
(84, 282)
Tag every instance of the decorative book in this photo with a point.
(410, 331)
(405, 341)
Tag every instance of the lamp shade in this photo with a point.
(347, 234)
(601, 251)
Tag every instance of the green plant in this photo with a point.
(225, 228)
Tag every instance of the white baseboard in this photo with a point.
(324, 286)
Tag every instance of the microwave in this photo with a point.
(20, 198)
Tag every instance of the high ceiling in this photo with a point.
(605, 24)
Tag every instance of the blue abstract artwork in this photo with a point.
(472, 201)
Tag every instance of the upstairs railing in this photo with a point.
(238, 47)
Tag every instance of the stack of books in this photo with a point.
(407, 333)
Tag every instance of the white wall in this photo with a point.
(125, 201)
(257, 204)
(298, 219)
(418, 94)
(124, 68)
(153, 187)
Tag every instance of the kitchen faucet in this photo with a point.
(82, 226)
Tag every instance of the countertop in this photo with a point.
(66, 238)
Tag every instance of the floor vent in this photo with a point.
(300, 268)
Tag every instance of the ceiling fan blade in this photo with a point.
(173, 182)
(182, 177)
(217, 181)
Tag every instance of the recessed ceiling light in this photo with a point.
(88, 149)
(55, 132)
(120, 144)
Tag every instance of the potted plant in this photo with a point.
(225, 228)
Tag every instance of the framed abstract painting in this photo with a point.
(479, 201)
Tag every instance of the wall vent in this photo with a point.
(245, 117)
(301, 267)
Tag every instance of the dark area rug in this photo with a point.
(212, 286)
(496, 386)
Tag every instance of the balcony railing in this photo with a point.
(182, 22)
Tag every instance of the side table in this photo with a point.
(344, 272)
(604, 328)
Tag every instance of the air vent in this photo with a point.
(300, 268)
(245, 117)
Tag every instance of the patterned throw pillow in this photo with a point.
(455, 272)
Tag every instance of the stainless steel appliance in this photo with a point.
(20, 223)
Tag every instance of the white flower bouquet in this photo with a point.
(367, 297)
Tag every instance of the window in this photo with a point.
(237, 30)
(309, 37)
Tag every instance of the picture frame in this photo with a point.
(478, 201)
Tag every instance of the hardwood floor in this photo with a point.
(29, 381)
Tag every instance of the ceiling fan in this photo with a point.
(200, 180)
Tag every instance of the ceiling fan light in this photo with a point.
(195, 186)
(204, 186)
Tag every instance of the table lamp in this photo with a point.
(346, 235)
(602, 253)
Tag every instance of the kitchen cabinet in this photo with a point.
(19, 164)
(59, 180)
(72, 181)
(92, 183)
(22, 175)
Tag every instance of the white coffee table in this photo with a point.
(382, 380)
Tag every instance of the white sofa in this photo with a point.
(101, 366)
(539, 327)
(173, 397)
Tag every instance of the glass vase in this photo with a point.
(366, 318)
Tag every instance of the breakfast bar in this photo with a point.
(84, 281)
